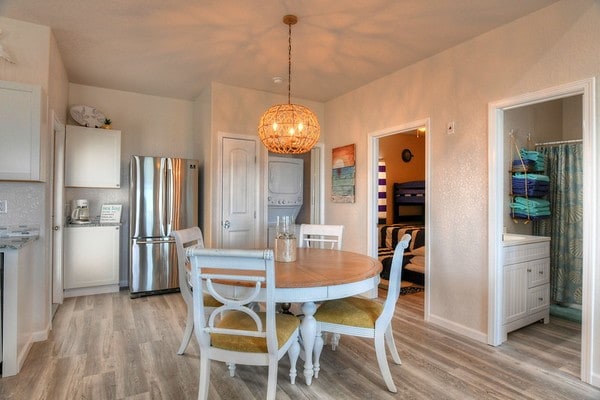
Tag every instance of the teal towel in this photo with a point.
(533, 177)
(534, 203)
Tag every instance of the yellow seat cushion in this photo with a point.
(286, 325)
(351, 311)
(210, 301)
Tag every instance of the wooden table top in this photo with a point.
(322, 267)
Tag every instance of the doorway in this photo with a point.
(373, 189)
(497, 154)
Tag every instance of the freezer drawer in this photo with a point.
(153, 266)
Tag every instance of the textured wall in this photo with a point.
(551, 47)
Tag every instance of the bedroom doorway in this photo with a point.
(501, 115)
(404, 151)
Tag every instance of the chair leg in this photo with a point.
(187, 334)
(391, 344)
(382, 361)
(317, 351)
(335, 340)
(293, 353)
(204, 377)
(231, 367)
(272, 379)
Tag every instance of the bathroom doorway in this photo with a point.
(504, 141)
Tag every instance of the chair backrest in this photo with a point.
(185, 238)
(393, 291)
(234, 277)
(323, 236)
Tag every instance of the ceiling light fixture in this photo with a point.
(289, 128)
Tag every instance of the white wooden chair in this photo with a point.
(323, 236)
(234, 333)
(359, 316)
(183, 239)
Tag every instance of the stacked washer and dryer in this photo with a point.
(285, 196)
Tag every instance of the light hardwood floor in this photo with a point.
(111, 347)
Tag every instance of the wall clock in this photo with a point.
(407, 155)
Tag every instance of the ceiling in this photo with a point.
(175, 48)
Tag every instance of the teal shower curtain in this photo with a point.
(564, 166)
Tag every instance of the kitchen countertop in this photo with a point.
(15, 243)
(91, 224)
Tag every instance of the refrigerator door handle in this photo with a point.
(170, 193)
(155, 241)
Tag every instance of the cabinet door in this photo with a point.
(91, 256)
(22, 118)
(92, 157)
(515, 292)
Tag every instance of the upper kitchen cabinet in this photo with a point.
(92, 157)
(22, 123)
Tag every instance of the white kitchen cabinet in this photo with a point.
(91, 260)
(23, 122)
(526, 282)
(92, 157)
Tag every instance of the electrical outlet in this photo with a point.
(3, 206)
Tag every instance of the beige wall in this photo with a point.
(150, 126)
(237, 110)
(37, 62)
(553, 46)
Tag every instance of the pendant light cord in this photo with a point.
(289, 62)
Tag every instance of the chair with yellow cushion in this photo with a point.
(358, 316)
(185, 238)
(234, 333)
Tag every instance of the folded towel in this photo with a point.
(534, 177)
(534, 203)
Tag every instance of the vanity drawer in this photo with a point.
(538, 298)
(526, 252)
(538, 272)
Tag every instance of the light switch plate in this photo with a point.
(450, 129)
(3, 206)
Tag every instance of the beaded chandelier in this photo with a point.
(289, 128)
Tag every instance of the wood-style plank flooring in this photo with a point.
(111, 347)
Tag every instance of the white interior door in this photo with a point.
(239, 193)
(58, 217)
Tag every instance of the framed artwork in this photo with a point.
(343, 174)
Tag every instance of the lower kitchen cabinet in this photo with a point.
(91, 260)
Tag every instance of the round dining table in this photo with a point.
(320, 275)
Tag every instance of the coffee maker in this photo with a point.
(81, 212)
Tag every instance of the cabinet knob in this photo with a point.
(528, 269)
(541, 272)
(540, 298)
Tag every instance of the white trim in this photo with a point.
(372, 188)
(92, 290)
(591, 253)
(458, 328)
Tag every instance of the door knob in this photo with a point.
(226, 224)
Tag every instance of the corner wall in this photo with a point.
(553, 46)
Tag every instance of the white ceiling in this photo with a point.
(174, 48)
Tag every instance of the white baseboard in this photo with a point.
(23, 353)
(457, 328)
(595, 380)
(42, 335)
(88, 291)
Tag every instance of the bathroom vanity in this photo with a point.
(526, 272)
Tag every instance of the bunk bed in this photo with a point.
(409, 202)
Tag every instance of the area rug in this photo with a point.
(411, 289)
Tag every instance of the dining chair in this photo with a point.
(324, 236)
(185, 238)
(362, 317)
(235, 333)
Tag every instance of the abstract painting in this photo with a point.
(343, 174)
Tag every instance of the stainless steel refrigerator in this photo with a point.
(163, 197)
